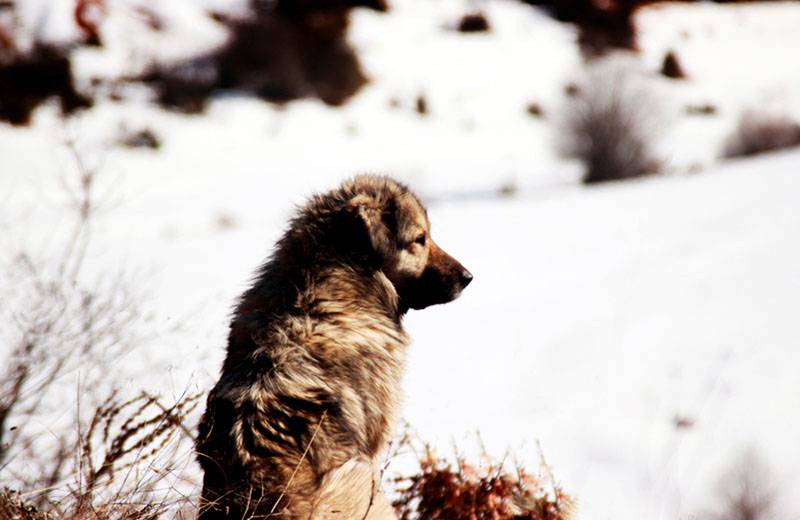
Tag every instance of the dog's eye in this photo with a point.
(420, 240)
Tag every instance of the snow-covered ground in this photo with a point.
(597, 316)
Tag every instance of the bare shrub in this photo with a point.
(60, 330)
(746, 492)
(609, 126)
(13, 507)
(758, 133)
(462, 491)
(61, 326)
(56, 323)
(113, 478)
(124, 435)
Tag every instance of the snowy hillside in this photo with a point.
(643, 332)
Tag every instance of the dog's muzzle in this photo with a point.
(442, 281)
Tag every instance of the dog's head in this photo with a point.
(397, 227)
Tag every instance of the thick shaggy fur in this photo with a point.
(309, 390)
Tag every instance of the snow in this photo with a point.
(610, 311)
(597, 315)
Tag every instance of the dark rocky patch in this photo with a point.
(28, 79)
(285, 50)
(474, 22)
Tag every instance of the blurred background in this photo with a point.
(621, 177)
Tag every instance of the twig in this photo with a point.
(299, 463)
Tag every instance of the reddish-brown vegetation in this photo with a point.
(443, 491)
(88, 16)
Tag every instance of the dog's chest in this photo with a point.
(365, 360)
(381, 398)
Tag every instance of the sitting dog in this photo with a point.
(309, 389)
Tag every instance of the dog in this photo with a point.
(309, 389)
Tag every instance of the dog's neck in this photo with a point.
(344, 289)
(293, 282)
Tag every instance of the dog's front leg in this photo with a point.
(352, 492)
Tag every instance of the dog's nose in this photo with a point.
(466, 278)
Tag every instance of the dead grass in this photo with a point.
(13, 506)
(118, 465)
(104, 456)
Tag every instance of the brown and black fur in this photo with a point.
(309, 390)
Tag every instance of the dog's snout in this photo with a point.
(465, 278)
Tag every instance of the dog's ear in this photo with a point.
(373, 215)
